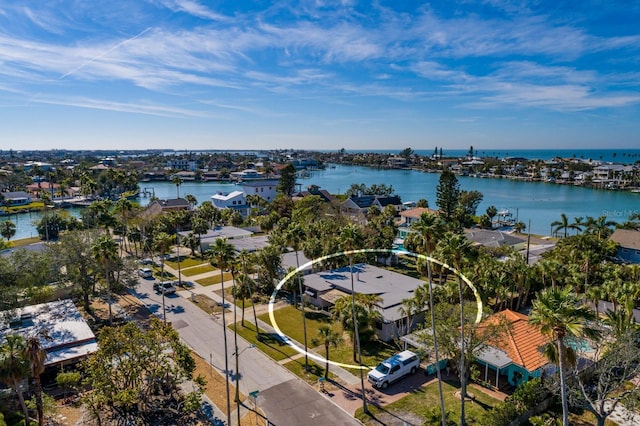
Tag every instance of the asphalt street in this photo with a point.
(283, 397)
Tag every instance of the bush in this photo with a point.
(527, 397)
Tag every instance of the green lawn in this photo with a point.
(311, 376)
(196, 270)
(215, 279)
(267, 343)
(206, 303)
(290, 322)
(425, 400)
(186, 262)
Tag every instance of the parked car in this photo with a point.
(393, 369)
(147, 261)
(166, 287)
(145, 273)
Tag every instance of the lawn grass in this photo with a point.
(267, 343)
(186, 262)
(197, 270)
(311, 376)
(290, 322)
(24, 242)
(215, 279)
(423, 401)
(228, 295)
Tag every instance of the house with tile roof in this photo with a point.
(356, 207)
(628, 241)
(517, 354)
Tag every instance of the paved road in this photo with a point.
(282, 396)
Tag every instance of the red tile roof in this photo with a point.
(523, 342)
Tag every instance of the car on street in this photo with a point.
(166, 287)
(145, 273)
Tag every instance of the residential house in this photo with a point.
(17, 198)
(265, 188)
(182, 164)
(68, 338)
(314, 190)
(356, 207)
(234, 200)
(517, 353)
(494, 238)
(168, 205)
(410, 216)
(628, 241)
(185, 175)
(322, 289)
(230, 233)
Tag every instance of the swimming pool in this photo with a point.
(578, 345)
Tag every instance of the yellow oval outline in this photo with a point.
(319, 358)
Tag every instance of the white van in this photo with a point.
(393, 369)
(145, 272)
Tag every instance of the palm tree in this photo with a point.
(177, 181)
(559, 313)
(562, 225)
(351, 238)
(600, 226)
(14, 367)
(328, 337)
(454, 248)
(162, 242)
(429, 228)
(295, 235)
(221, 254)
(36, 356)
(105, 251)
(7, 229)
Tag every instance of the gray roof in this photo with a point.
(392, 287)
(229, 232)
(16, 195)
(69, 336)
(489, 238)
(250, 244)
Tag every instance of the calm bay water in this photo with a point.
(537, 202)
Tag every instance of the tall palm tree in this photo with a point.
(221, 254)
(162, 243)
(14, 367)
(559, 313)
(294, 236)
(36, 356)
(328, 337)
(350, 239)
(454, 248)
(105, 251)
(600, 226)
(429, 227)
(177, 181)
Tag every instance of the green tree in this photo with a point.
(287, 182)
(7, 229)
(177, 181)
(135, 375)
(162, 243)
(14, 367)
(221, 255)
(36, 356)
(559, 313)
(105, 252)
(430, 228)
(327, 337)
(455, 248)
(447, 195)
(295, 235)
(351, 239)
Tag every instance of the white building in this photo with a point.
(264, 188)
(231, 200)
(179, 164)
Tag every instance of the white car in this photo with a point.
(393, 369)
(165, 287)
(145, 273)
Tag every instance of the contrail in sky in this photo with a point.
(104, 53)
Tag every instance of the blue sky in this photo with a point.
(196, 74)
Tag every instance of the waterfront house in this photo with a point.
(356, 207)
(234, 200)
(517, 353)
(17, 198)
(68, 338)
(168, 205)
(182, 164)
(322, 289)
(494, 238)
(230, 233)
(314, 190)
(266, 188)
(628, 241)
(408, 217)
(185, 175)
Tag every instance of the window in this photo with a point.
(394, 369)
